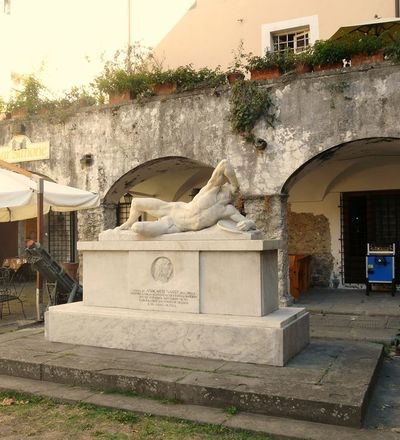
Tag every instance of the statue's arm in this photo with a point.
(242, 223)
(223, 171)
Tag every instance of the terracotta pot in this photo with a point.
(303, 68)
(119, 98)
(233, 77)
(319, 67)
(265, 74)
(19, 113)
(361, 58)
(164, 89)
(42, 111)
(71, 269)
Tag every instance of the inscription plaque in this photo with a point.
(164, 280)
(164, 298)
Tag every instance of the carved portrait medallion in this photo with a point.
(162, 269)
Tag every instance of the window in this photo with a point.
(62, 235)
(295, 40)
(294, 34)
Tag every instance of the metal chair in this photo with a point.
(9, 291)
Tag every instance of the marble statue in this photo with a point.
(212, 204)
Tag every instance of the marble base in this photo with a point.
(271, 339)
(224, 277)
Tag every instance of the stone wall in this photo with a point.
(315, 112)
(310, 234)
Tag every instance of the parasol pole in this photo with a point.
(39, 238)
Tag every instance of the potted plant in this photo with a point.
(126, 75)
(367, 50)
(304, 61)
(392, 51)
(329, 54)
(163, 82)
(190, 78)
(121, 85)
(269, 66)
(235, 70)
(186, 78)
(28, 101)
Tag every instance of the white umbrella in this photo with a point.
(18, 197)
(25, 195)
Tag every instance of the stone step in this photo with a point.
(272, 426)
(328, 382)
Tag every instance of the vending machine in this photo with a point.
(380, 268)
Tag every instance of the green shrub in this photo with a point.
(328, 52)
(392, 51)
(306, 57)
(283, 60)
(367, 44)
(30, 98)
(188, 78)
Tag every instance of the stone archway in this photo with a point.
(319, 221)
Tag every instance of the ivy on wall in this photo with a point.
(249, 103)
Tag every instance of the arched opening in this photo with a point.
(341, 200)
(168, 178)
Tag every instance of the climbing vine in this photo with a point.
(249, 103)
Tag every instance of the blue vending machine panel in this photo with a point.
(380, 268)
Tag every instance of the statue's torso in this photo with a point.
(203, 211)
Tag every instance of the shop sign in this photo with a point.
(21, 149)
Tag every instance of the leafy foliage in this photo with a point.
(248, 103)
(306, 57)
(188, 78)
(238, 62)
(392, 51)
(327, 52)
(283, 60)
(367, 44)
(30, 98)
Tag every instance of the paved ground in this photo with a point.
(384, 409)
(350, 302)
(15, 319)
(350, 314)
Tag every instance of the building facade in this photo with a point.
(211, 29)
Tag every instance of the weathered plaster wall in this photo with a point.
(315, 112)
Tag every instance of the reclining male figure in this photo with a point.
(211, 204)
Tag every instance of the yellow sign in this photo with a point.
(21, 149)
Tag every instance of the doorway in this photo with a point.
(368, 217)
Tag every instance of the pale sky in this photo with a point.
(52, 38)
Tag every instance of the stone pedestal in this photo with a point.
(211, 294)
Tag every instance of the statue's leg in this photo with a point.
(155, 207)
(153, 229)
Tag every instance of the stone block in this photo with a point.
(264, 340)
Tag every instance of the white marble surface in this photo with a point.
(221, 231)
(211, 205)
(217, 282)
(267, 340)
(181, 245)
(233, 283)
